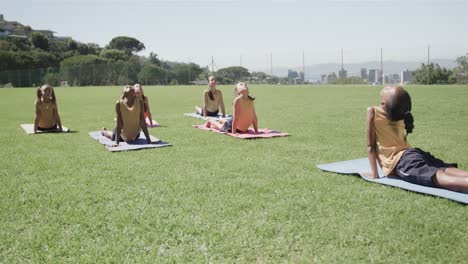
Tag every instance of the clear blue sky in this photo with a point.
(230, 29)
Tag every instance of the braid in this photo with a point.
(409, 122)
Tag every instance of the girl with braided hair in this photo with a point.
(387, 127)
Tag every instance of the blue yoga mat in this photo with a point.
(140, 143)
(360, 166)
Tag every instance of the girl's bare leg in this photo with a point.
(107, 134)
(213, 123)
(456, 172)
(443, 179)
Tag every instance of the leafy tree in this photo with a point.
(17, 44)
(72, 45)
(151, 74)
(460, 73)
(153, 58)
(258, 76)
(232, 74)
(58, 46)
(126, 44)
(85, 70)
(6, 45)
(114, 54)
(40, 41)
(83, 48)
(93, 48)
(185, 73)
(432, 74)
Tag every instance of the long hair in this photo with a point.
(40, 90)
(210, 93)
(125, 91)
(236, 91)
(399, 108)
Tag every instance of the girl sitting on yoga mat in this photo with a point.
(213, 100)
(243, 114)
(139, 93)
(130, 118)
(386, 144)
(47, 117)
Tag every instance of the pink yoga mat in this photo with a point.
(262, 133)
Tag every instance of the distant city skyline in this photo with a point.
(237, 32)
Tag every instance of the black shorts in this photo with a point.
(120, 138)
(417, 166)
(208, 113)
(227, 127)
(52, 128)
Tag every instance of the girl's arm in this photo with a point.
(255, 122)
(221, 103)
(57, 118)
(235, 116)
(118, 129)
(37, 118)
(148, 111)
(143, 123)
(205, 100)
(371, 142)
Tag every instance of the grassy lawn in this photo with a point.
(213, 198)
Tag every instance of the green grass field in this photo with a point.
(213, 198)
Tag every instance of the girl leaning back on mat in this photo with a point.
(212, 100)
(387, 127)
(243, 113)
(130, 118)
(47, 116)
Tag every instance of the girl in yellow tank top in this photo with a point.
(47, 117)
(130, 118)
(213, 100)
(243, 114)
(387, 127)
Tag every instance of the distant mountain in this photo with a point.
(313, 72)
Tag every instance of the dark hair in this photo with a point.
(399, 108)
(211, 95)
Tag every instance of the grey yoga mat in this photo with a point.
(29, 129)
(202, 117)
(140, 143)
(360, 166)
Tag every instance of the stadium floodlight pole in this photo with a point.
(428, 62)
(212, 65)
(342, 68)
(271, 64)
(189, 70)
(303, 66)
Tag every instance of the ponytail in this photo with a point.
(399, 108)
(409, 122)
(211, 95)
(38, 94)
(52, 94)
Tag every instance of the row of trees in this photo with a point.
(434, 74)
(38, 59)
